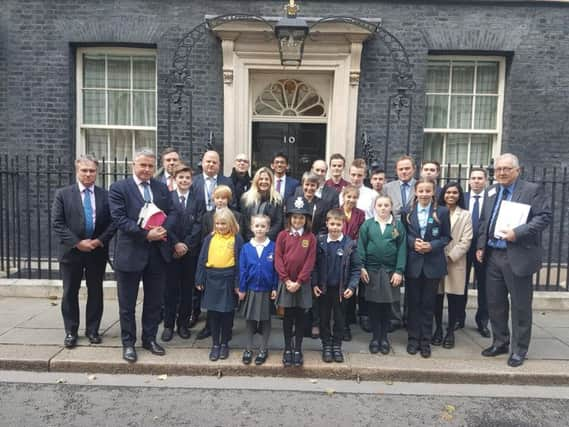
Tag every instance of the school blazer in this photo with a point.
(433, 264)
(188, 225)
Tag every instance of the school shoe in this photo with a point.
(70, 340)
(224, 351)
(448, 342)
(412, 348)
(154, 348)
(129, 353)
(214, 353)
(327, 355)
(483, 329)
(297, 359)
(437, 336)
(167, 334)
(347, 335)
(494, 351)
(426, 351)
(287, 358)
(261, 357)
(204, 333)
(247, 357)
(374, 347)
(184, 332)
(337, 353)
(384, 346)
(516, 359)
(94, 337)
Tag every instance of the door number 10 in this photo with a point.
(289, 139)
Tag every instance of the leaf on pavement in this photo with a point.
(52, 297)
(53, 304)
(61, 381)
(330, 391)
(389, 382)
(313, 381)
(162, 377)
(91, 377)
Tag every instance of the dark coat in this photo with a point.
(241, 184)
(273, 210)
(199, 193)
(188, 225)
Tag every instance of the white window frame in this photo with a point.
(80, 139)
(497, 132)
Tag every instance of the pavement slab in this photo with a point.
(27, 357)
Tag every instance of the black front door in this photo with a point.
(301, 142)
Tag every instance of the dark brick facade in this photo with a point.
(37, 66)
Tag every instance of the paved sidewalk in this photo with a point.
(31, 338)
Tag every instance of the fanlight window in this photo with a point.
(290, 98)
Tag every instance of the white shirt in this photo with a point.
(365, 201)
(472, 200)
(293, 230)
(209, 197)
(138, 183)
(260, 246)
(339, 239)
(383, 224)
(91, 196)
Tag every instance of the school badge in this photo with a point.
(304, 243)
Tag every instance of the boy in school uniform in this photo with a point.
(336, 276)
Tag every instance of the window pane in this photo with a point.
(436, 111)
(433, 146)
(144, 139)
(438, 76)
(119, 72)
(121, 144)
(461, 112)
(481, 149)
(486, 112)
(94, 107)
(119, 108)
(144, 73)
(96, 142)
(457, 148)
(144, 110)
(487, 77)
(94, 71)
(463, 77)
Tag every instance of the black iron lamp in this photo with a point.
(291, 33)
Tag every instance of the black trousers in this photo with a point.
(379, 316)
(349, 307)
(293, 325)
(93, 267)
(454, 309)
(502, 281)
(221, 324)
(421, 296)
(179, 291)
(363, 310)
(153, 281)
(331, 311)
(482, 314)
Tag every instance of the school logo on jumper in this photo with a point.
(340, 252)
(435, 231)
(270, 257)
(305, 243)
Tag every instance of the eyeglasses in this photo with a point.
(242, 160)
(505, 169)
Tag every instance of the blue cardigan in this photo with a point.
(257, 274)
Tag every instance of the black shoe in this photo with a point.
(437, 336)
(94, 337)
(167, 334)
(154, 348)
(129, 354)
(384, 346)
(516, 359)
(184, 332)
(337, 353)
(203, 334)
(347, 335)
(194, 319)
(448, 342)
(70, 340)
(287, 358)
(459, 325)
(364, 324)
(412, 348)
(426, 351)
(327, 356)
(214, 353)
(494, 351)
(224, 352)
(483, 330)
(261, 357)
(297, 359)
(374, 347)
(247, 357)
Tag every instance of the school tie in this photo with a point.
(88, 210)
(183, 201)
(147, 197)
(404, 194)
(476, 213)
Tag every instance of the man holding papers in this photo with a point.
(143, 247)
(514, 214)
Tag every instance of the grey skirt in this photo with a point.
(379, 290)
(219, 294)
(257, 306)
(301, 298)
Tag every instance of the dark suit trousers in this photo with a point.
(153, 280)
(179, 285)
(71, 273)
(331, 311)
(482, 315)
(500, 281)
(421, 298)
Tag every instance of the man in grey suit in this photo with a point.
(401, 191)
(512, 258)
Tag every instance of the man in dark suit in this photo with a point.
(139, 253)
(83, 227)
(511, 257)
(474, 201)
(170, 160)
(284, 184)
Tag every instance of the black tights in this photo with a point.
(379, 316)
(293, 320)
(454, 308)
(220, 324)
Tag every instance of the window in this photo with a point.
(116, 102)
(289, 98)
(463, 114)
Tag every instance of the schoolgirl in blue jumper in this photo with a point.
(428, 232)
(258, 286)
